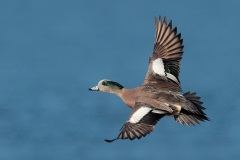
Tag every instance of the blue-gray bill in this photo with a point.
(94, 88)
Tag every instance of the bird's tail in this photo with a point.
(192, 118)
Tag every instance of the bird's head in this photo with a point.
(107, 86)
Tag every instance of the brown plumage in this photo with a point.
(160, 94)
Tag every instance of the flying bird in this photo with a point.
(160, 94)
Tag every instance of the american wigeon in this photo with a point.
(160, 94)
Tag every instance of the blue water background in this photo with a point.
(52, 51)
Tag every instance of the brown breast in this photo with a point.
(129, 96)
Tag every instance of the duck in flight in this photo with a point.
(160, 94)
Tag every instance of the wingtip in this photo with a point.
(170, 23)
(155, 18)
(110, 140)
(165, 20)
(162, 20)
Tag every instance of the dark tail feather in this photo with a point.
(190, 118)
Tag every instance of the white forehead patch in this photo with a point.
(158, 67)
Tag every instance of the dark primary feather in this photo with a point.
(139, 129)
(168, 46)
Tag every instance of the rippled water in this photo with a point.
(53, 51)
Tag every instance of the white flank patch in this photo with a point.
(172, 77)
(159, 111)
(158, 67)
(139, 114)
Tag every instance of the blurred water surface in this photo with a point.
(53, 51)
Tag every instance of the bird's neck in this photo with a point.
(116, 91)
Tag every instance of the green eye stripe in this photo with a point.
(113, 84)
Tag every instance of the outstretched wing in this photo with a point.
(167, 54)
(140, 123)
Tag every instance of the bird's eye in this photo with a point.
(104, 83)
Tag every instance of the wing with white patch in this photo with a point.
(167, 54)
(140, 123)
